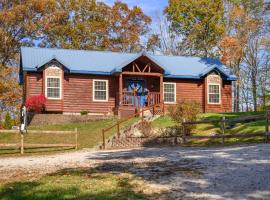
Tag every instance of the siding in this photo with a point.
(226, 99)
(34, 86)
(188, 89)
(34, 83)
(195, 90)
(78, 94)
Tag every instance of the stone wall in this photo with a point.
(52, 119)
(133, 142)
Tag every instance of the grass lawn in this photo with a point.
(207, 129)
(89, 135)
(77, 184)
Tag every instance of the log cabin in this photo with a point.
(113, 83)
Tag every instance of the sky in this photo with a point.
(150, 7)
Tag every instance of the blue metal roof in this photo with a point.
(102, 62)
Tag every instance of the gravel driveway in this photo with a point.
(239, 172)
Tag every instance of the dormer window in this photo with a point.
(214, 88)
(53, 85)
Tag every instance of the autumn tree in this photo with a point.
(127, 26)
(201, 24)
(21, 22)
(78, 24)
(10, 91)
(244, 21)
(88, 24)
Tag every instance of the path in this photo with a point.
(240, 172)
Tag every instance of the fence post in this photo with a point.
(76, 138)
(153, 110)
(118, 129)
(223, 129)
(184, 131)
(22, 143)
(103, 138)
(267, 125)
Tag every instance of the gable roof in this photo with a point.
(103, 62)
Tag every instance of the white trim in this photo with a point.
(46, 88)
(219, 100)
(169, 83)
(107, 90)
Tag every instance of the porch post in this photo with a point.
(161, 88)
(120, 88)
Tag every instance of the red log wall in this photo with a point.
(77, 93)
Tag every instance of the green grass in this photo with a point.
(89, 135)
(77, 185)
(207, 129)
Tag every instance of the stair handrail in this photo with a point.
(119, 122)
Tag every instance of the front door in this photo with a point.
(139, 87)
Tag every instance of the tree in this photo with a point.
(92, 25)
(153, 43)
(8, 121)
(21, 22)
(79, 24)
(201, 24)
(164, 39)
(244, 19)
(10, 91)
(126, 27)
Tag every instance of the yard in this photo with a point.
(90, 132)
(209, 129)
(89, 135)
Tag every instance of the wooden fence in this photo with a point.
(138, 114)
(223, 121)
(22, 145)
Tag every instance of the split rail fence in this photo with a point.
(223, 121)
(22, 145)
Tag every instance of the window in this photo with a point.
(214, 94)
(100, 90)
(169, 92)
(53, 88)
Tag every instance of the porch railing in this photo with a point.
(153, 98)
(131, 99)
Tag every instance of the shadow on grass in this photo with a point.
(70, 184)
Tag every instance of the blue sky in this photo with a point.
(150, 7)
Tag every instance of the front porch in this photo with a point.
(140, 85)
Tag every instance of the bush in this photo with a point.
(84, 112)
(36, 103)
(8, 122)
(185, 111)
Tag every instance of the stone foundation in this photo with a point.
(52, 119)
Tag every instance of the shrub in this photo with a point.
(36, 103)
(84, 112)
(8, 122)
(185, 111)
